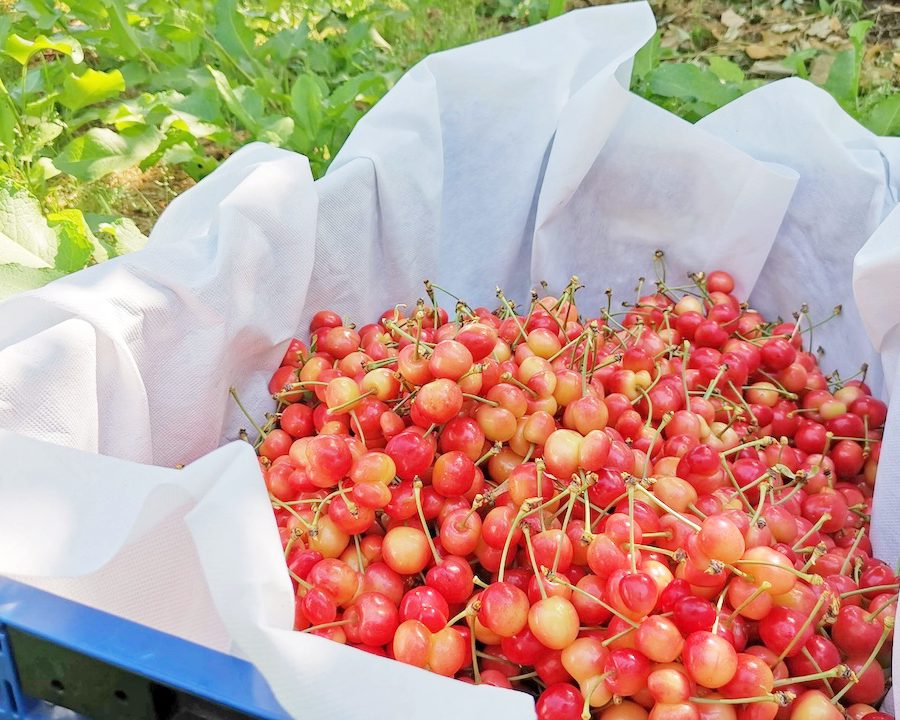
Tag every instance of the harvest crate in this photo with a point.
(57, 654)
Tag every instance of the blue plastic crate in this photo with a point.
(57, 654)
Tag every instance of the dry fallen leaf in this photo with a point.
(784, 27)
(731, 19)
(896, 59)
(821, 66)
(823, 27)
(761, 52)
(769, 68)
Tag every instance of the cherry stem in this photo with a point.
(493, 450)
(526, 532)
(590, 686)
(531, 447)
(811, 579)
(885, 631)
(763, 489)
(806, 623)
(874, 588)
(694, 509)
(776, 698)
(417, 493)
(836, 671)
(845, 566)
(540, 467)
(299, 580)
(464, 613)
(477, 675)
(280, 504)
(350, 403)
(685, 355)
(669, 510)
(394, 327)
(523, 511)
(503, 301)
(808, 655)
(633, 553)
(763, 587)
(524, 676)
(480, 399)
(736, 484)
(887, 603)
(715, 381)
(565, 524)
(812, 531)
(574, 588)
(323, 626)
(508, 378)
(233, 392)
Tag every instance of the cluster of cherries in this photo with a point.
(656, 512)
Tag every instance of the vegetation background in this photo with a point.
(110, 108)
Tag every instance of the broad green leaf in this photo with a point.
(306, 105)
(91, 87)
(646, 59)
(21, 50)
(25, 237)
(796, 61)
(842, 78)
(231, 100)
(285, 44)
(555, 8)
(857, 32)
(231, 31)
(8, 113)
(101, 151)
(41, 11)
(277, 131)
(118, 235)
(174, 136)
(120, 29)
(15, 278)
(39, 137)
(884, 117)
(690, 82)
(76, 241)
(725, 69)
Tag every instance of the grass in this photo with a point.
(108, 110)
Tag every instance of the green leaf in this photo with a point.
(277, 131)
(21, 50)
(857, 32)
(556, 8)
(306, 105)
(842, 78)
(690, 82)
(646, 59)
(118, 235)
(120, 29)
(38, 138)
(91, 87)
(231, 31)
(101, 151)
(8, 114)
(231, 100)
(725, 69)
(15, 278)
(76, 241)
(796, 61)
(884, 117)
(25, 237)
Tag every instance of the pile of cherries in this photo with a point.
(657, 511)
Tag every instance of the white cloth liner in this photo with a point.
(506, 162)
